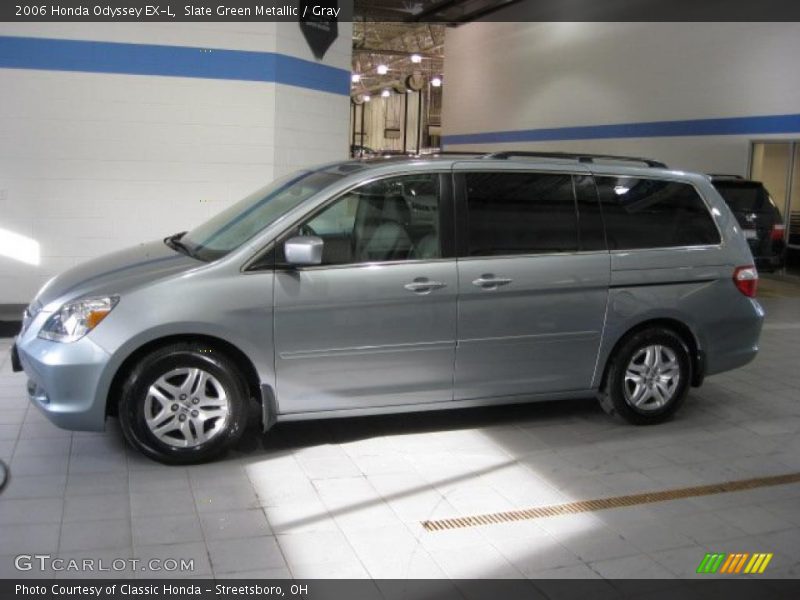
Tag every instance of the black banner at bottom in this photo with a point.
(734, 588)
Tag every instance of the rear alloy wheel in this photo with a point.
(648, 377)
(184, 404)
(651, 378)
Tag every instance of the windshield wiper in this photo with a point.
(174, 242)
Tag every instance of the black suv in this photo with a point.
(758, 216)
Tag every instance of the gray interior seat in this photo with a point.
(381, 232)
(427, 247)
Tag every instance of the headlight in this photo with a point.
(75, 319)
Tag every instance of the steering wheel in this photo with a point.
(306, 230)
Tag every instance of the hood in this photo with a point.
(117, 272)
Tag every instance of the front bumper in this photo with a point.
(16, 365)
(63, 380)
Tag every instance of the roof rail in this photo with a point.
(455, 153)
(580, 157)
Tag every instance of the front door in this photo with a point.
(375, 324)
(532, 291)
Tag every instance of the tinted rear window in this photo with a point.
(520, 213)
(653, 213)
(745, 197)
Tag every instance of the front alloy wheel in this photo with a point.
(186, 407)
(184, 403)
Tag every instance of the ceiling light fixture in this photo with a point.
(366, 98)
(383, 69)
(355, 78)
(386, 93)
(436, 82)
(416, 58)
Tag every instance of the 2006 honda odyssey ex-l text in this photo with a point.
(386, 286)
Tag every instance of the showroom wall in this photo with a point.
(112, 134)
(691, 94)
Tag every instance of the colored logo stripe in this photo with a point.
(758, 564)
(710, 563)
(734, 563)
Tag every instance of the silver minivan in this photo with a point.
(386, 285)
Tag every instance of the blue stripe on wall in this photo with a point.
(171, 61)
(693, 127)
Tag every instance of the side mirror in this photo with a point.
(303, 250)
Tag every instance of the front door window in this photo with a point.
(390, 220)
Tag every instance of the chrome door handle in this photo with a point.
(490, 282)
(423, 286)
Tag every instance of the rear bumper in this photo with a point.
(736, 344)
(63, 381)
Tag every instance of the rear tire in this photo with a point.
(648, 377)
(184, 403)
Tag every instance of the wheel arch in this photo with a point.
(680, 328)
(233, 352)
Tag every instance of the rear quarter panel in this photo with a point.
(692, 285)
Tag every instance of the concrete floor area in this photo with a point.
(347, 498)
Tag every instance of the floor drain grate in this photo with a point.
(581, 506)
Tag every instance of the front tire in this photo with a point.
(648, 377)
(184, 403)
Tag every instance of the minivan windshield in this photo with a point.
(231, 228)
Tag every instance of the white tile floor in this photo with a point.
(346, 498)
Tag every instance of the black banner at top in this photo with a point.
(463, 11)
(450, 11)
(183, 10)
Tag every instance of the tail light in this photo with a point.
(746, 280)
(777, 232)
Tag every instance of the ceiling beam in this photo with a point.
(485, 11)
(434, 9)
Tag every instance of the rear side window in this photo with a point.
(520, 213)
(653, 213)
